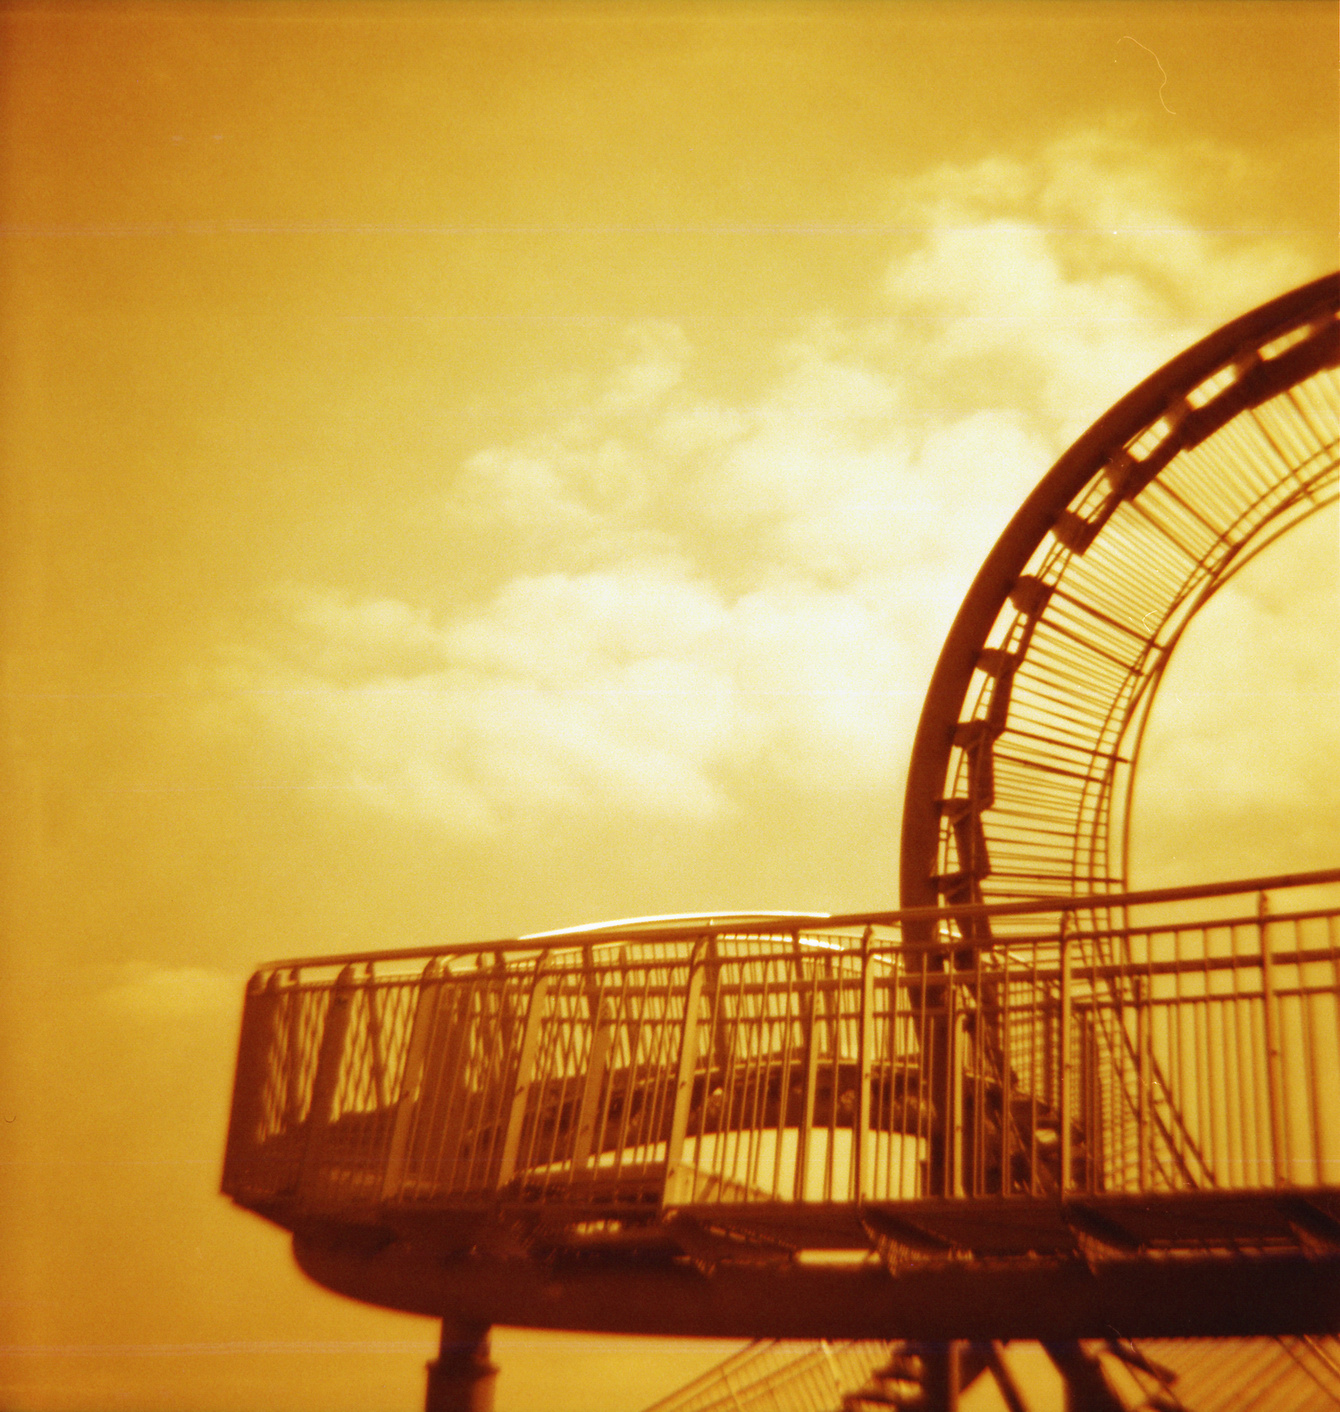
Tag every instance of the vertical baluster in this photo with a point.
(1006, 1073)
(861, 1145)
(291, 999)
(1274, 1059)
(918, 1011)
(1237, 1090)
(1144, 1028)
(1066, 1062)
(1310, 1040)
(791, 1002)
(809, 1023)
(833, 1034)
(680, 1186)
(1209, 1124)
(326, 1080)
(530, 1042)
(954, 1066)
(376, 1045)
(1039, 1019)
(411, 1080)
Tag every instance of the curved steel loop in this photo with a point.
(1021, 772)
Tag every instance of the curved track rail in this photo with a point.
(1021, 773)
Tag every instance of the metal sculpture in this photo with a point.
(1112, 1374)
(1030, 1104)
(1021, 772)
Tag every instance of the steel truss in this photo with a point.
(1021, 772)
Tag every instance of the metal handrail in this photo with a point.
(752, 923)
(727, 1065)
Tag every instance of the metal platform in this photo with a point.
(812, 1115)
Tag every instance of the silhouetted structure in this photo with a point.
(1301, 1374)
(1030, 1104)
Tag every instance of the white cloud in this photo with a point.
(662, 352)
(1061, 280)
(139, 990)
(683, 591)
(341, 641)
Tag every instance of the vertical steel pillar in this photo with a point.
(325, 1082)
(940, 1380)
(1086, 1385)
(1067, 1068)
(1279, 1132)
(461, 1377)
(682, 1185)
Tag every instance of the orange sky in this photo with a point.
(478, 467)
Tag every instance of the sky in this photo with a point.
(480, 467)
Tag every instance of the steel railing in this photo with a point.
(767, 1376)
(1107, 1045)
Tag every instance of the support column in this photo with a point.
(461, 1378)
(941, 1377)
(1086, 1385)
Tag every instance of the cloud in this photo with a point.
(140, 990)
(685, 598)
(1060, 280)
(661, 354)
(343, 642)
(639, 694)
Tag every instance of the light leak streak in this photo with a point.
(1162, 70)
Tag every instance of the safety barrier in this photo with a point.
(1109, 1045)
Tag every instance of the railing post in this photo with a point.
(1067, 1064)
(253, 1049)
(862, 1153)
(1274, 1064)
(326, 1080)
(1144, 1026)
(530, 1043)
(376, 1053)
(809, 1021)
(588, 1113)
(411, 1096)
(688, 1061)
(292, 999)
(954, 1081)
